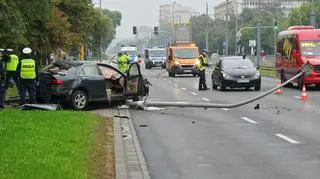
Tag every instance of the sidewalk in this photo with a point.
(129, 160)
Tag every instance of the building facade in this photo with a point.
(176, 12)
(236, 6)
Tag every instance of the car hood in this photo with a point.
(313, 60)
(241, 72)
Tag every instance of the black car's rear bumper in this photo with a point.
(235, 83)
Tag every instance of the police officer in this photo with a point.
(123, 62)
(12, 66)
(202, 70)
(28, 75)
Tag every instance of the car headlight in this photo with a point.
(226, 76)
(256, 76)
(176, 63)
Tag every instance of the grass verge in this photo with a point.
(61, 144)
(268, 72)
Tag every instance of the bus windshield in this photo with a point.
(186, 53)
(310, 48)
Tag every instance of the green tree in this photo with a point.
(12, 31)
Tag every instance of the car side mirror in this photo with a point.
(295, 53)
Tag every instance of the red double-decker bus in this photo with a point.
(296, 46)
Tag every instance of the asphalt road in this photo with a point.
(281, 140)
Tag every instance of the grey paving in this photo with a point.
(129, 160)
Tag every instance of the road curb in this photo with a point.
(129, 159)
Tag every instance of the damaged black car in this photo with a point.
(79, 83)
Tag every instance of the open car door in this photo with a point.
(134, 83)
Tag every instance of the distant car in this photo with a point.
(155, 57)
(235, 72)
(84, 82)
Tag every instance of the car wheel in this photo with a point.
(300, 83)
(248, 88)
(221, 86)
(173, 75)
(79, 100)
(169, 73)
(283, 79)
(214, 86)
(137, 98)
(257, 87)
(194, 75)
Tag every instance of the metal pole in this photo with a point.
(306, 71)
(100, 48)
(236, 44)
(227, 29)
(207, 29)
(258, 41)
(258, 36)
(173, 22)
(275, 38)
(313, 15)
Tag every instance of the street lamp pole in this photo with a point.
(313, 15)
(207, 29)
(227, 29)
(100, 48)
(173, 22)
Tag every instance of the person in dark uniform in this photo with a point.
(28, 76)
(3, 59)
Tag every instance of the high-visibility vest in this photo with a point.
(13, 63)
(123, 63)
(203, 61)
(28, 69)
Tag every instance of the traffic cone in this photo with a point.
(278, 90)
(304, 95)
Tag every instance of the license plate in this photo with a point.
(187, 71)
(243, 81)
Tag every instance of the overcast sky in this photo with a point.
(146, 12)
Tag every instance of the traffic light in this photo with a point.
(156, 30)
(135, 30)
(276, 25)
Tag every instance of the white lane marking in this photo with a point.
(206, 99)
(287, 139)
(249, 120)
(170, 81)
(184, 89)
(193, 93)
(165, 79)
(225, 109)
(176, 85)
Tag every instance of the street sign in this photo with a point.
(252, 43)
